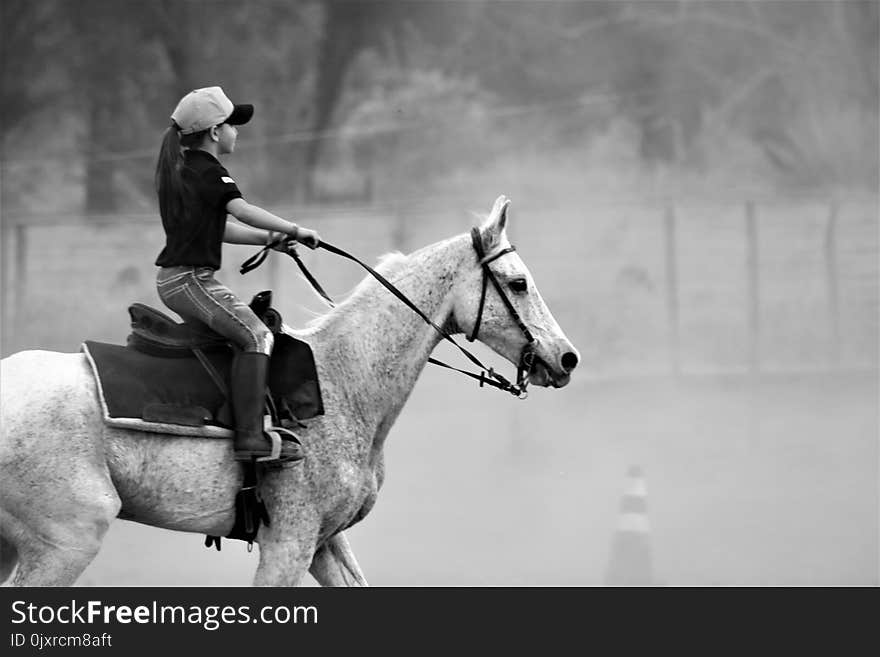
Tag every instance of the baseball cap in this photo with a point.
(202, 108)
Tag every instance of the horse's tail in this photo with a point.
(8, 559)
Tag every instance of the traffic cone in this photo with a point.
(630, 560)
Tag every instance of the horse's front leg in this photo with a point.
(334, 564)
(284, 562)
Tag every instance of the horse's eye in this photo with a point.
(519, 285)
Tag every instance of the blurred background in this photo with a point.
(694, 187)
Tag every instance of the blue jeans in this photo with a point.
(195, 295)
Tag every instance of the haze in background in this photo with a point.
(694, 187)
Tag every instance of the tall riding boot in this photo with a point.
(248, 392)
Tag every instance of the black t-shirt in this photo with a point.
(196, 238)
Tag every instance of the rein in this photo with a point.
(487, 376)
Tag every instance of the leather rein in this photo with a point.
(487, 376)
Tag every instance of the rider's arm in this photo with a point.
(235, 233)
(257, 217)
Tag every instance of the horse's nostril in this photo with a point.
(569, 361)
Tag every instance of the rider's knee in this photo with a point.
(262, 342)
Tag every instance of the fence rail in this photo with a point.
(642, 286)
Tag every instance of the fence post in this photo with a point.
(754, 283)
(6, 295)
(672, 310)
(20, 274)
(832, 281)
(6, 237)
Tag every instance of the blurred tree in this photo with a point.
(31, 38)
(261, 52)
(271, 62)
(349, 28)
(179, 28)
(781, 73)
(105, 34)
(32, 41)
(800, 80)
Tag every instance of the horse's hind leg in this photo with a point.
(57, 498)
(53, 566)
(55, 551)
(44, 562)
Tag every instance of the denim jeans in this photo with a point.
(195, 295)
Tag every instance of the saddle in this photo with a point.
(153, 332)
(173, 377)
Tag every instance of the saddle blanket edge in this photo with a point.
(138, 424)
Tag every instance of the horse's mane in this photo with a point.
(388, 264)
(394, 266)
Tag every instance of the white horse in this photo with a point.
(65, 475)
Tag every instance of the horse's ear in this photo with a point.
(494, 226)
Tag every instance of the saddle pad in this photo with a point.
(177, 395)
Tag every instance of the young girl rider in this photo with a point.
(195, 195)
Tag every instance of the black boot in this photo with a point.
(248, 392)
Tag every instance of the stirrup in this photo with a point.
(282, 461)
(275, 454)
(276, 435)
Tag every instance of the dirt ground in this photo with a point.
(774, 483)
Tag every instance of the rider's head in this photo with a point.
(204, 119)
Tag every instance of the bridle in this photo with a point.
(488, 376)
(527, 355)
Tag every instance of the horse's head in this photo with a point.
(481, 311)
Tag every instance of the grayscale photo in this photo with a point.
(440, 293)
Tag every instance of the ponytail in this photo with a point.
(169, 184)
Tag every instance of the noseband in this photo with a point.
(527, 356)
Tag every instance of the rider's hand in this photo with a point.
(285, 243)
(308, 237)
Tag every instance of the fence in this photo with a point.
(641, 287)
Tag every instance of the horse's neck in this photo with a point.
(375, 347)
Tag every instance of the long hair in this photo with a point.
(169, 178)
(169, 184)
